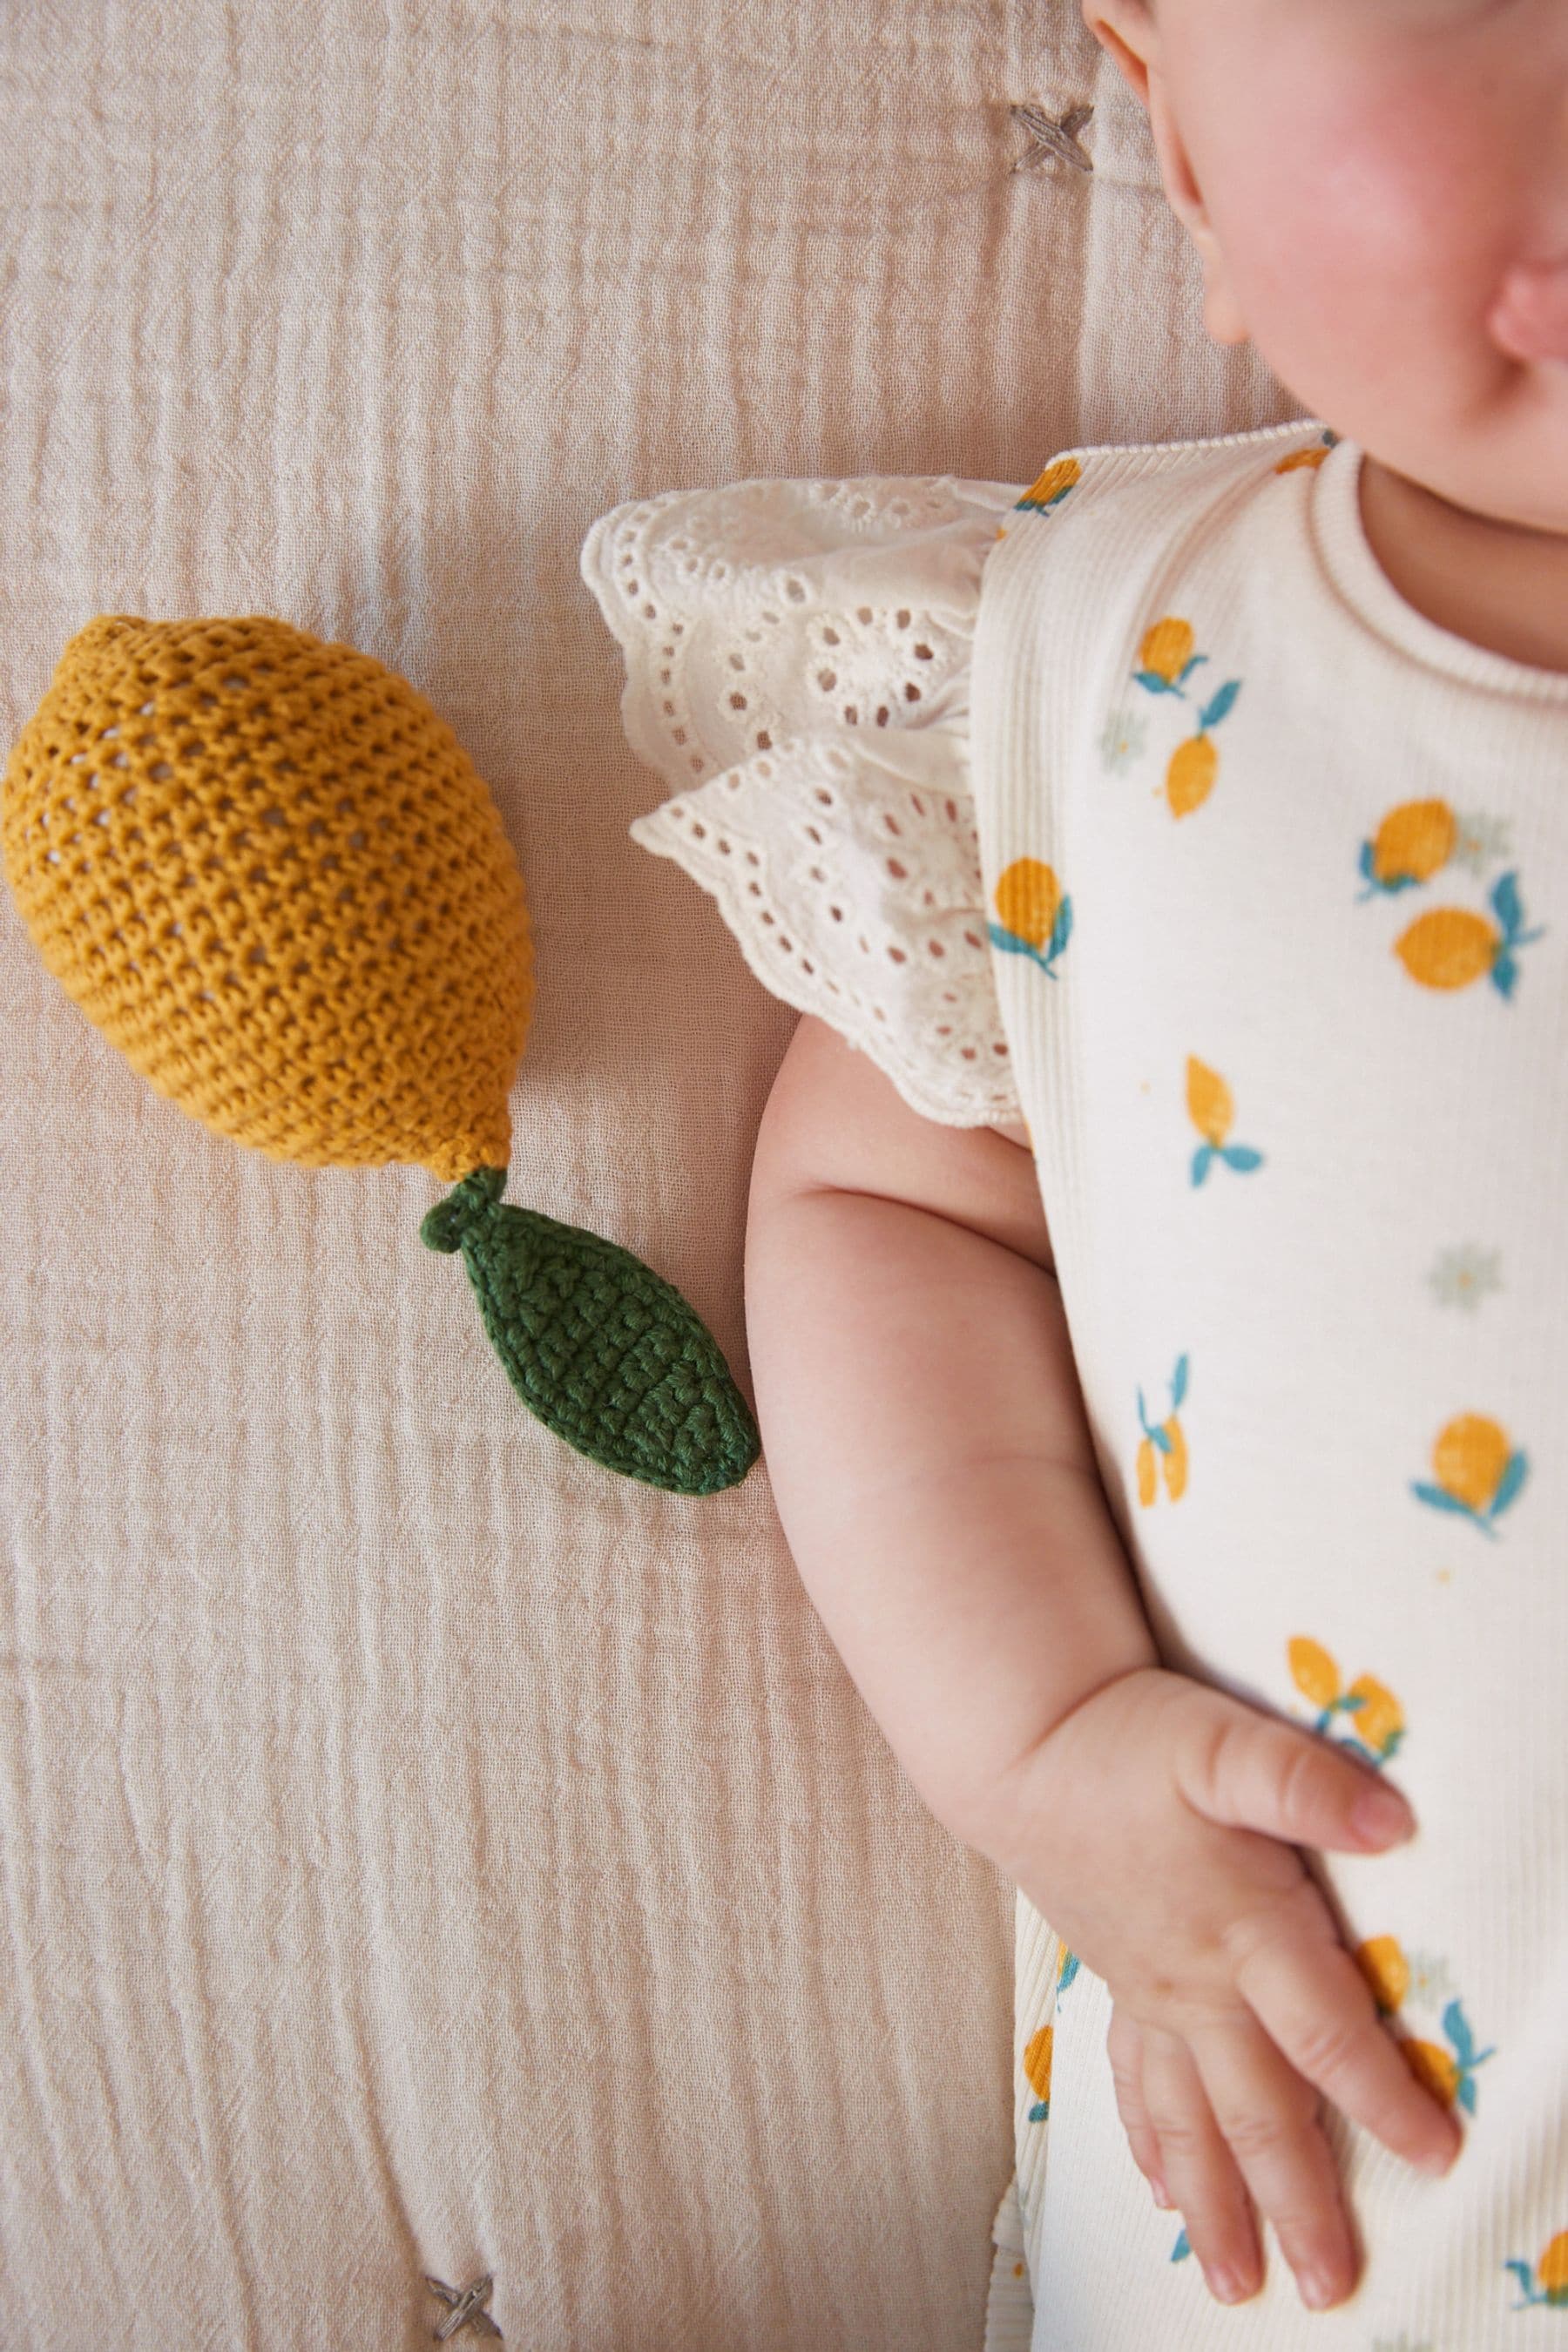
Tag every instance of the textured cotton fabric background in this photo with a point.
(418, 1850)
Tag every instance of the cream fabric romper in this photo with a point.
(1140, 806)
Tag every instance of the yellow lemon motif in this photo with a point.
(1165, 1442)
(1551, 2270)
(1212, 1110)
(1433, 2067)
(1550, 2283)
(1379, 1720)
(1210, 1105)
(1037, 2062)
(1372, 1714)
(1055, 483)
(1189, 779)
(1413, 841)
(1036, 912)
(1383, 1963)
(1028, 898)
(1167, 649)
(1469, 1459)
(1167, 660)
(1449, 947)
(1313, 1672)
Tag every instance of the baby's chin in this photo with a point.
(1460, 386)
(1499, 453)
(1512, 464)
(1482, 492)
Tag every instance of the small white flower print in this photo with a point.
(1479, 839)
(1124, 739)
(1462, 1277)
(1429, 1979)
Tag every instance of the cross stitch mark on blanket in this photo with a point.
(1053, 138)
(464, 2307)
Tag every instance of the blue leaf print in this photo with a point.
(1509, 1485)
(1008, 939)
(1440, 1499)
(1216, 708)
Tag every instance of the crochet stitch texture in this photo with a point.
(265, 869)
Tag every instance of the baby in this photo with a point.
(1157, 1264)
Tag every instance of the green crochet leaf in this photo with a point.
(607, 1354)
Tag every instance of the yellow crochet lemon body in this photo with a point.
(265, 868)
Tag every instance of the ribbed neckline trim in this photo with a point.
(1347, 556)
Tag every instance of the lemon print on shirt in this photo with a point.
(1164, 1446)
(1049, 489)
(1212, 1112)
(1382, 1962)
(1452, 946)
(1376, 1714)
(1448, 2073)
(1037, 2069)
(1313, 457)
(1413, 842)
(1548, 2283)
(1166, 661)
(1046, 490)
(1478, 1472)
(1039, 2050)
(1036, 914)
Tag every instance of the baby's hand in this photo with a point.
(1134, 1829)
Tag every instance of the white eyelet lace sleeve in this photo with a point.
(797, 671)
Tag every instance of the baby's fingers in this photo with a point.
(1125, 2048)
(1245, 1770)
(1200, 2170)
(1310, 1996)
(1269, 2117)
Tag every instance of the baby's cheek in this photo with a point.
(1365, 223)
(1390, 190)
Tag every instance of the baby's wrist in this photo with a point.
(1001, 1816)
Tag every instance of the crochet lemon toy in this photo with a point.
(268, 871)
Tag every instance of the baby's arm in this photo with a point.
(933, 1467)
(924, 1435)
